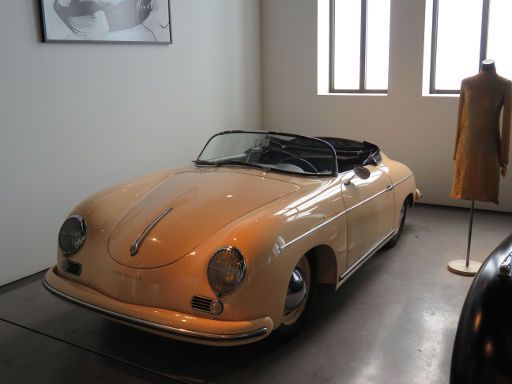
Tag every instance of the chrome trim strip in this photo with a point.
(134, 249)
(284, 246)
(156, 326)
(354, 267)
(401, 181)
(366, 200)
(388, 189)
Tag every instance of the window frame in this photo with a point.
(484, 34)
(363, 42)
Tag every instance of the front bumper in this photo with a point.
(164, 322)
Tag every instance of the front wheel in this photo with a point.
(301, 287)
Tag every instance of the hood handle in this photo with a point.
(134, 248)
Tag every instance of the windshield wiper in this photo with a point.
(206, 162)
(231, 162)
(243, 164)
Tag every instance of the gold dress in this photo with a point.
(480, 149)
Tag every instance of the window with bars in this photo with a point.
(359, 46)
(464, 33)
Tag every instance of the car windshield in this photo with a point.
(270, 151)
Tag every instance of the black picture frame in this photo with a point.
(107, 21)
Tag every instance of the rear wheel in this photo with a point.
(301, 287)
(403, 213)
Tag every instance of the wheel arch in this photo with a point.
(324, 263)
(410, 200)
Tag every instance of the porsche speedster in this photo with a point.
(229, 248)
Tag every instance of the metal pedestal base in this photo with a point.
(466, 267)
(459, 267)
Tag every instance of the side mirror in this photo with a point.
(359, 171)
(362, 172)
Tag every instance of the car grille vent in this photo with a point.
(71, 267)
(200, 303)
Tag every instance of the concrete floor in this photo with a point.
(394, 321)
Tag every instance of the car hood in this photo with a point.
(201, 203)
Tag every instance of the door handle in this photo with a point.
(389, 188)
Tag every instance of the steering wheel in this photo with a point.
(295, 160)
(291, 156)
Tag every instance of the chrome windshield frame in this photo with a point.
(333, 173)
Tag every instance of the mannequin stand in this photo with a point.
(466, 267)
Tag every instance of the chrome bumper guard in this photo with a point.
(181, 333)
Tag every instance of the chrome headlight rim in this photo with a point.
(243, 270)
(83, 235)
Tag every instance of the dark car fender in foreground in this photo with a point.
(482, 352)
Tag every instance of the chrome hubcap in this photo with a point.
(297, 293)
(296, 290)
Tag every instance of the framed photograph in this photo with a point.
(107, 21)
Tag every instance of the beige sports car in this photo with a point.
(228, 249)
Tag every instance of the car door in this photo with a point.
(369, 209)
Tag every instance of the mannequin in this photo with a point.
(481, 148)
(481, 152)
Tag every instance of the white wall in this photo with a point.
(416, 130)
(76, 118)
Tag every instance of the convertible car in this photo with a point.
(229, 248)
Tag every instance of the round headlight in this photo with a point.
(226, 270)
(72, 235)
